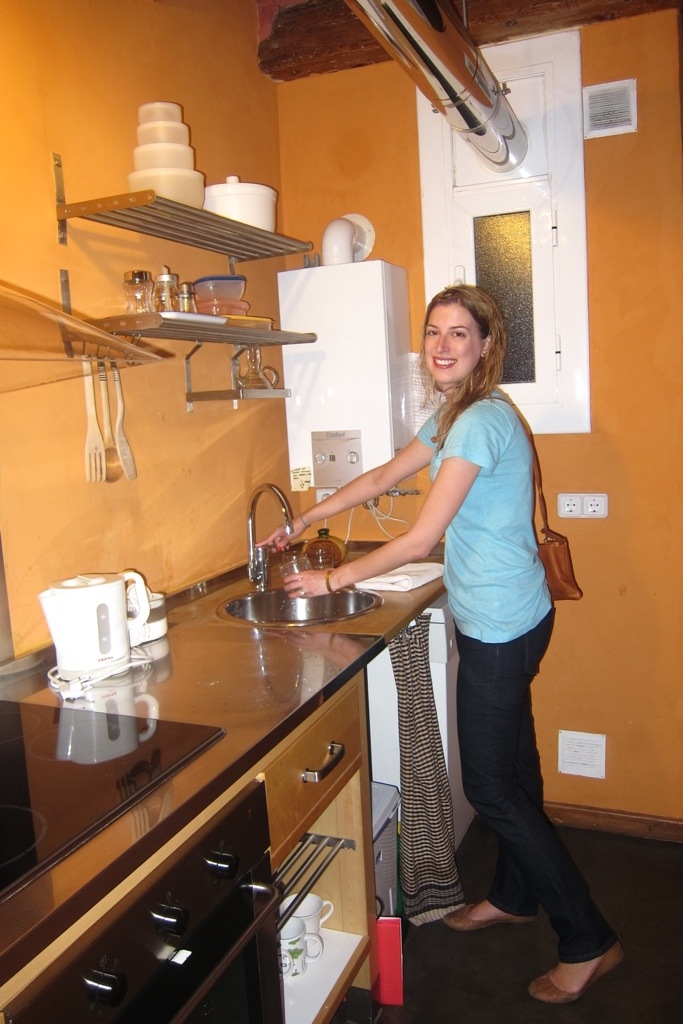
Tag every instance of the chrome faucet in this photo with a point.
(259, 558)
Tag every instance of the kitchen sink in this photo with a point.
(275, 608)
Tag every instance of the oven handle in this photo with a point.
(234, 951)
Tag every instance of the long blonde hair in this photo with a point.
(487, 373)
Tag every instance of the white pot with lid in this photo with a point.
(244, 201)
(89, 618)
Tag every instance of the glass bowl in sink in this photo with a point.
(275, 608)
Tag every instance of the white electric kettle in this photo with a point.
(89, 619)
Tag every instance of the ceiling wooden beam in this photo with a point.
(313, 37)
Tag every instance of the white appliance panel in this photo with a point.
(356, 376)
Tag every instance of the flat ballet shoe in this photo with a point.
(546, 991)
(461, 922)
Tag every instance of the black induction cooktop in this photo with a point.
(67, 772)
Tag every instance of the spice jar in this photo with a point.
(137, 288)
(186, 302)
(166, 292)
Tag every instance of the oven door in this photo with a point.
(198, 945)
(224, 970)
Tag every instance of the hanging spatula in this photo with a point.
(120, 439)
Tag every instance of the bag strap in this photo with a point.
(538, 483)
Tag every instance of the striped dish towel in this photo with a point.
(429, 876)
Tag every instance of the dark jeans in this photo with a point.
(502, 780)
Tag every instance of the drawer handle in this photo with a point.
(336, 752)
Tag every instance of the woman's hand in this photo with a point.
(310, 583)
(279, 539)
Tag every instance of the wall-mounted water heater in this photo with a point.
(351, 403)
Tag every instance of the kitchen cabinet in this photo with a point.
(336, 812)
(336, 806)
(146, 213)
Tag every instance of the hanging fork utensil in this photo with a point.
(122, 446)
(112, 464)
(94, 443)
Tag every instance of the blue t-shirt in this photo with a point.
(494, 577)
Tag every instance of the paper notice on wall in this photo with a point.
(300, 478)
(582, 753)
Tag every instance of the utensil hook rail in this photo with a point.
(309, 860)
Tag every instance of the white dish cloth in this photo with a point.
(409, 576)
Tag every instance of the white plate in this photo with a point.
(194, 318)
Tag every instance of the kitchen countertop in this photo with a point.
(257, 684)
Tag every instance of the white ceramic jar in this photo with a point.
(247, 202)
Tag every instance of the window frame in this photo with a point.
(559, 403)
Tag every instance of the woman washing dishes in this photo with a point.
(481, 499)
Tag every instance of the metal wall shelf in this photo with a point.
(149, 214)
(153, 325)
(146, 213)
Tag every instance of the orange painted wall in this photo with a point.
(72, 76)
(71, 83)
(348, 143)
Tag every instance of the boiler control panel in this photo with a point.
(337, 457)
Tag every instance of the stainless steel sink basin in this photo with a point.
(275, 608)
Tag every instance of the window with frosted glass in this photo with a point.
(502, 253)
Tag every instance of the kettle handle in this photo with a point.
(142, 599)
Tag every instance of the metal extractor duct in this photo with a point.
(428, 38)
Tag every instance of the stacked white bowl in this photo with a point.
(163, 158)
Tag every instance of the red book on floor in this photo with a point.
(388, 989)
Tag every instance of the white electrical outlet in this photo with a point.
(324, 492)
(569, 506)
(594, 506)
(582, 506)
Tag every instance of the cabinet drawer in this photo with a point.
(293, 805)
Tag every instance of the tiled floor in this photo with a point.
(482, 977)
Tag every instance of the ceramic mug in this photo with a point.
(298, 948)
(313, 911)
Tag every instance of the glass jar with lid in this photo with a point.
(186, 297)
(166, 292)
(138, 288)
